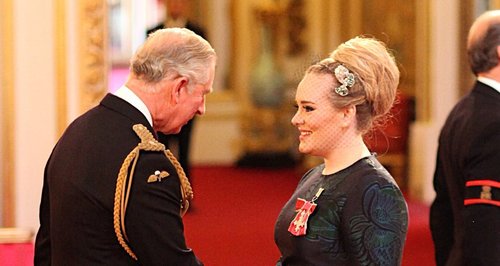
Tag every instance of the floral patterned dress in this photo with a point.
(361, 218)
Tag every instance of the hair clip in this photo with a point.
(345, 78)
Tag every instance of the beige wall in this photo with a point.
(443, 93)
(34, 103)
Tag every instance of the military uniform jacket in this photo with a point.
(465, 216)
(76, 211)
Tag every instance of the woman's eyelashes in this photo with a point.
(308, 108)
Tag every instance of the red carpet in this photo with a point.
(233, 215)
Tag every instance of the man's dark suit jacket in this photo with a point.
(466, 228)
(76, 212)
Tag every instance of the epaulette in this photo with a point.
(482, 191)
(124, 182)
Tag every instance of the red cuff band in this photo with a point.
(481, 201)
(485, 196)
(490, 183)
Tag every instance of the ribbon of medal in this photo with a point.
(304, 209)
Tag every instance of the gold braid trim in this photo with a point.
(186, 189)
(124, 183)
(117, 211)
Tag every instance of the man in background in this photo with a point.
(465, 215)
(177, 17)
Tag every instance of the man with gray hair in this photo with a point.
(113, 194)
(465, 215)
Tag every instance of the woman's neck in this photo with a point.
(343, 157)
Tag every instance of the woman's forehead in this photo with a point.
(314, 85)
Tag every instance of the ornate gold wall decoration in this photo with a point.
(60, 61)
(7, 119)
(266, 129)
(393, 22)
(93, 52)
(296, 27)
(423, 61)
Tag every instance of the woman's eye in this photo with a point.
(308, 108)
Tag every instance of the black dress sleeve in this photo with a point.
(376, 222)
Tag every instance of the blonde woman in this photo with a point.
(348, 210)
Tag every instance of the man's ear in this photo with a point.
(179, 84)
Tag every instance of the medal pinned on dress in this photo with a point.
(304, 209)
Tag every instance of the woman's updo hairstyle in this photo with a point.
(365, 75)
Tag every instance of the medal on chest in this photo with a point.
(304, 209)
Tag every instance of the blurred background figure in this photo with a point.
(177, 12)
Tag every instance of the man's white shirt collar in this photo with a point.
(490, 82)
(130, 97)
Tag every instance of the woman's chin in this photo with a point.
(304, 150)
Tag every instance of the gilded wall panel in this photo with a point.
(93, 52)
(7, 204)
(394, 22)
(60, 63)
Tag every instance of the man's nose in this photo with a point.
(201, 110)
